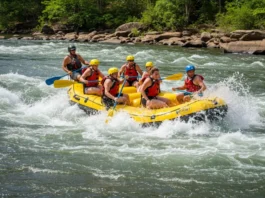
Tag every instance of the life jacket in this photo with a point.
(92, 77)
(154, 89)
(190, 86)
(75, 63)
(131, 71)
(114, 89)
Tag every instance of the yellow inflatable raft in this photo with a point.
(200, 109)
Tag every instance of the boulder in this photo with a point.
(130, 26)
(111, 40)
(239, 33)
(83, 37)
(149, 38)
(212, 45)
(205, 36)
(253, 36)
(98, 37)
(152, 33)
(250, 47)
(194, 43)
(123, 33)
(47, 30)
(168, 35)
(172, 41)
(70, 36)
(225, 39)
(27, 38)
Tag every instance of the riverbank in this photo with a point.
(239, 41)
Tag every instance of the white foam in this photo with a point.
(8, 98)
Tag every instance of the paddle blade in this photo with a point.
(110, 114)
(50, 81)
(63, 83)
(177, 76)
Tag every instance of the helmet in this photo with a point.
(94, 62)
(130, 58)
(189, 67)
(71, 47)
(149, 64)
(113, 70)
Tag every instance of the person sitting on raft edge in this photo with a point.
(130, 69)
(150, 90)
(90, 77)
(72, 62)
(111, 85)
(193, 83)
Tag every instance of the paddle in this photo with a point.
(176, 76)
(190, 93)
(51, 80)
(111, 111)
(67, 83)
(185, 92)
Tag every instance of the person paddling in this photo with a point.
(150, 90)
(193, 83)
(72, 62)
(146, 74)
(111, 85)
(132, 70)
(90, 77)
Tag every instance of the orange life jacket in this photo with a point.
(154, 89)
(92, 78)
(190, 86)
(114, 89)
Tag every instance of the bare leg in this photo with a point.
(94, 90)
(180, 97)
(156, 104)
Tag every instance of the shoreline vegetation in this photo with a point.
(234, 26)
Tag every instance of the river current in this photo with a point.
(49, 148)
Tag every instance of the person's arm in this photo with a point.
(64, 66)
(121, 71)
(82, 60)
(84, 75)
(179, 88)
(145, 74)
(107, 86)
(139, 70)
(199, 81)
(146, 84)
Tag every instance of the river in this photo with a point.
(49, 148)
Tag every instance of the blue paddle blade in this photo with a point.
(51, 80)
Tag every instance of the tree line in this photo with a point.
(157, 14)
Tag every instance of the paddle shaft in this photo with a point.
(115, 103)
(51, 80)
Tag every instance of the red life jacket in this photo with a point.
(92, 77)
(154, 89)
(114, 89)
(75, 63)
(190, 86)
(131, 71)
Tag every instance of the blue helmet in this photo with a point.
(189, 67)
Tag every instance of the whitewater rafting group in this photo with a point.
(148, 84)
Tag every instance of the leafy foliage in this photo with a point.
(157, 14)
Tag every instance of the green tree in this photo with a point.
(19, 11)
(244, 14)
